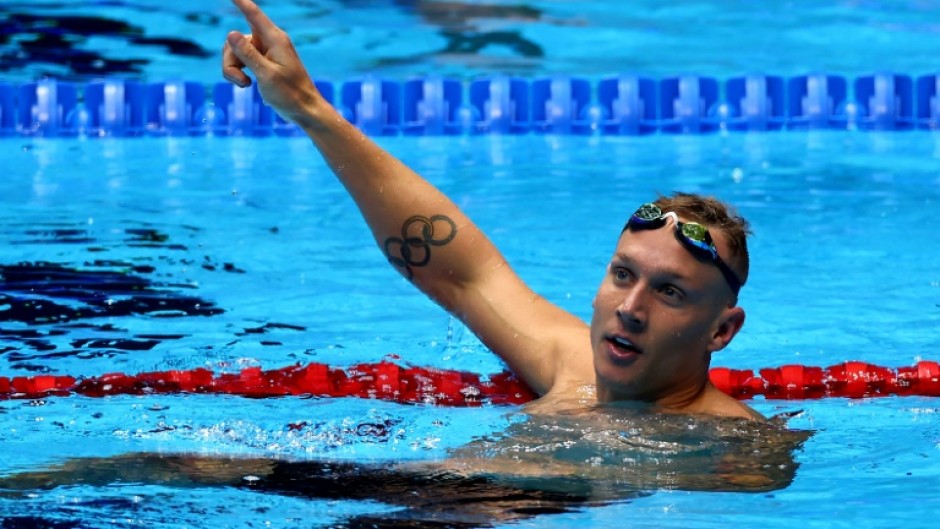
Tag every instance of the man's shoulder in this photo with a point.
(573, 357)
(722, 404)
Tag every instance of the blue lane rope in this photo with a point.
(621, 105)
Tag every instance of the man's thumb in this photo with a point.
(245, 51)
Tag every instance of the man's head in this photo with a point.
(668, 300)
(716, 216)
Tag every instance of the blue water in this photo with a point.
(161, 40)
(844, 261)
(832, 281)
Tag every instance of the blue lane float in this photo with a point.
(8, 118)
(499, 105)
(927, 105)
(688, 105)
(432, 106)
(111, 107)
(46, 108)
(238, 112)
(885, 102)
(626, 105)
(561, 105)
(754, 102)
(817, 101)
(373, 105)
(171, 108)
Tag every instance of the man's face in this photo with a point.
(658, 314)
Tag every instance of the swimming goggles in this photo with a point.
(692, 235)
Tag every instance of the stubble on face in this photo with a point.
(647, 345)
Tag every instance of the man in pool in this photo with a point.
(667, 302)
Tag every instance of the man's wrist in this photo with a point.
(318, 117)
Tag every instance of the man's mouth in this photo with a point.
(622, 349)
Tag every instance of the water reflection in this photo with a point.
(56, 44)
(540, 466)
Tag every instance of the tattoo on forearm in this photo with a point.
(418, 235)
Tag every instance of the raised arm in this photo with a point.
(421, 231)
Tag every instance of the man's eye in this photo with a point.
(671, 291)
(621, 274)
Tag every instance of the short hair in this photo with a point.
(714, 214)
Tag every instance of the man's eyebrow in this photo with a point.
(669, 273)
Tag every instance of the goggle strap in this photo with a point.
(729, 274)
(709, 252)
(641, 220)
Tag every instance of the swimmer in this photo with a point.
(626, 405)
(667, 302)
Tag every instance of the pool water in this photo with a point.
(272, 243)
(247, 252)
(402, 38)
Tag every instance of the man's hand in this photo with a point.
(269, 54)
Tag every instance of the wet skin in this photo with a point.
(658, 315)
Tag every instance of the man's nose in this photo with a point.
(633, 308)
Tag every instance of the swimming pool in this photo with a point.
(250, 241)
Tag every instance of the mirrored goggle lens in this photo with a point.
(695, 231)
(648, 213)
(697, 235)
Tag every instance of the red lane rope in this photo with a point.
(383, 380)
(849, 379)
(389, 381)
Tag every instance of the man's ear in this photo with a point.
(728, 326)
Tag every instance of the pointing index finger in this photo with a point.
(260, 24)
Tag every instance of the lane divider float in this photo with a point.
(620, 104)
(415, 385)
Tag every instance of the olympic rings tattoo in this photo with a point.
(417, 238)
